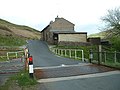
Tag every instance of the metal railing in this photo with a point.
(71, 53)
(14, 54)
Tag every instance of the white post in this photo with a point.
(75, 54)
(31, 71)
(16, 54)
(82, 56)
(7, 56)
(70, 53)
(115, 57)
(65, 52)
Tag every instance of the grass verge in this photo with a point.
(20, 81)
(23, 79)
(3, 58)
(116, 65)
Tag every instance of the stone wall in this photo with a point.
(65, 43)
(73, 37)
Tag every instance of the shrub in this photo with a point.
(116, 43)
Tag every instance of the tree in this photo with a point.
(112, 19)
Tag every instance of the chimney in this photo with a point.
(57, 18)
(51, 22)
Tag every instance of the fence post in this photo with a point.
(55, 51)
(100, 52)
(105, 56)
(16, 54)
(7, 56)
(26, 58)
(82, 56)
(75, 54)
(115, 57)
(70, 53)
(58, 52)
(65, 53)
(62, 52)
(91, 55)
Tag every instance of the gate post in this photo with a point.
(26, 58)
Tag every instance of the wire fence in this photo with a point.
(106, 58)
(12, 55)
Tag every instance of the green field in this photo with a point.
(12, 41)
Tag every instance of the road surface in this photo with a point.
(42, 57)
(74, 75)
(110, 82)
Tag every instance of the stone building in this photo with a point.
(61, 31)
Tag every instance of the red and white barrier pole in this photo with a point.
(31, 66)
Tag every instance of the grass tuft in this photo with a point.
(23, 79)
(20, 81)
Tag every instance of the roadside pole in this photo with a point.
(31, 66)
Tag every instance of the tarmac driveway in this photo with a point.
(42, 57)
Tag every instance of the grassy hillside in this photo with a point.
(11, 41)
(7, 28)
(15, 35)
(7, 24)
(100, 34)
(114, 40)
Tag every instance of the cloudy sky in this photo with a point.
(85, 14)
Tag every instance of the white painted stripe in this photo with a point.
(30, 68)
(80, 64)
(78, 77)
